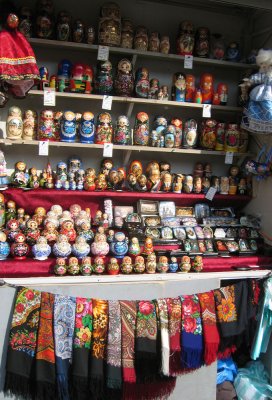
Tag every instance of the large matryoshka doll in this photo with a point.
(104, 129)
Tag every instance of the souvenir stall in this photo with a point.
(135, 173)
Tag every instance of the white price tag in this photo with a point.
(107, 102)
(107, 151)
(188, 62)
(206, 111)
(43, 148)
(229, 157)
(210, 193)
(103, 53)
(49, 97)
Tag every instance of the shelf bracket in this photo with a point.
(129, 110)
(126, 157)
(134, 59)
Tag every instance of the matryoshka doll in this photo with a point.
(134, 247)
(206, 85)
(190, 136)
(47, 130)
(4, 180)
(14, 125)
(2, 211)
(68, 127)
(188, 184)
(12, 229)
(169, 136)
(19, 249)
(73, 266)
(135, 168)
(101, 182)
(202, 42)
(67, 229)
(148, 246)
(63, 75)
(222, 90)
(197, 264)
(29, 125)
(41, 250)
(185, 40)
(190, 88)
(80, 248)
(151, 263)
(104, 78)
(86, 266)
(45, 19)
(127, 34)
(154, 88)
(141, 38)
(154, 42)
(50, 232)
(173, 265)
(124, 81)
(26, 22)
(185, 264)
(232, 134)
(90, 177)
(164, 45)
(179, 87)
(62, 247)
(100, 247)
(126, 266)
(78, 31)
(220, 136)
(87, 127)
(60, 268)
(113, 266)
(119, 245)
(81, 78)
(64, 26)
(139, 265)
(20, 176)
(141, 129)
(104, 129)
(177, 122)
(121, 132)
(4, 246)
(163, 265)
(90, 34)
(109, 30)
(208, 134)
(178, 183)
(99, 265)
(32, 232)
(142, 83)
(154, 176)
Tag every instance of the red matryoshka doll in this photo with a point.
(202, 43)
(222, 90)
(47, 130)
(206, 85)
(104, 129)
(177, 122)
(220, 136)
(109, 29)
(19, 249)
(124, 81)
(216, 99)
(190, 88)
(179, 87)
(142, 83)
(90, 177)
(232, 134)
(141, 129)
(186, 40)
(208, 134)
(81, 78)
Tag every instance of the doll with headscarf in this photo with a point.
(257, 116)
(18, 68)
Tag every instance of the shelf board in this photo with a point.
(135, 100)
(56, 44)
(125, 148)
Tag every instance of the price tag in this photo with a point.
(103, 53)
(43, 148)
(206, 111)
(107, 151)
(210, 193)
(107, 102)
(49, 97)
(188, 62)
(229, 157)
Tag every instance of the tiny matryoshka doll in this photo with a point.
(179, 87)
(64, 26)
(124, 81)
(154, 89)
(68, 127)
(189, 139)
(190, 88)
(121, 132)
(104, 78)
(141, 129)
(87, 127)
(90, 35)
(186, 40)
(206, 85)
(208, 134)
(29, 125)
(142, 83)
(222, 90)
(104, 129)
(109, 30)
(202, 43)
(14, 125)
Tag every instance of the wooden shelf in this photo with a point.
(135, 148)
(56, 44)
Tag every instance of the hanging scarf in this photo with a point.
(82, 348)
(114, 362)
(64, 322)
(98, 353)
(191, 335)
(232, 316)
(22, 344)
(174, 316)
(45, 356)
(164, 333)
(210, 330)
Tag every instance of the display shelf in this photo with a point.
(135, 100)
(56, 44)
(135, 148)
(32, 268)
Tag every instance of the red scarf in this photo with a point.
(174, 315)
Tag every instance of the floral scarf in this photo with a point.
(191, 335)
(22, 344)
(174, 316)
(64, 323)
(45, 356)
(114, 362)
(98, 351)
(164, 332)
(210, 330)
(128, 327)
(81, 348)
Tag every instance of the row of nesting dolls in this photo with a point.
(69, 126)
(80, 78)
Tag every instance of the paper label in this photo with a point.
(49, 97)
(43, 148)
(108, 149)
(210, 193)
(206, 111)
(229, 157)
(103, 53)
(107, 102)
(188, 61)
